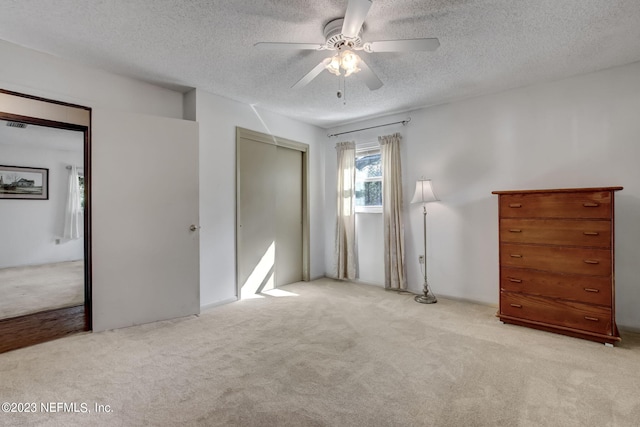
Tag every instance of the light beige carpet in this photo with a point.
(335, 354)
(30, 289)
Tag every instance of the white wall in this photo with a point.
(218, 118)
(34, 73)
(33, 226)
(369, 234)
(578, 132)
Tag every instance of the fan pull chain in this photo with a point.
(344, 90)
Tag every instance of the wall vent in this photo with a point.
(16, 125)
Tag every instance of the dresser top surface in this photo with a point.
(559, 190)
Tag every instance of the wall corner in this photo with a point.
(189, 105)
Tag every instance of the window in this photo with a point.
(368, 181)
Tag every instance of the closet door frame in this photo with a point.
(242, 133)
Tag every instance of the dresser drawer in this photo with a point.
(586, 289)
(557, 312)
(595, 205)
(593, 262)
(565, 232)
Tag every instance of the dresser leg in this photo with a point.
(608, 344)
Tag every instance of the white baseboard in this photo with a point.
(362, 282)
(439, 295)
(627, 328)
(217, 303)
(356, 281)
(469, 300)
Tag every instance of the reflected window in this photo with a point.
(81, 184)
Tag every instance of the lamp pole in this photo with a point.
(426, 297)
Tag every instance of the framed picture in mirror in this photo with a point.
(18, 182)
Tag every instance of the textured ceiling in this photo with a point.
(486, 46)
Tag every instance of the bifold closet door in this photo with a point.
(256, 211)
(288, 216)
(269, 216)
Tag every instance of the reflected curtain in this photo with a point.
(73, 213)
(345, 250)
(394, 265)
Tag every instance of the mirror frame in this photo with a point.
(22, 331)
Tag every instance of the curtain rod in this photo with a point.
(77, 167)
(404, 122)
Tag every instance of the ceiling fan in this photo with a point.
(343, 35)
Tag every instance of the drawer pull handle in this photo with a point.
(590, 233)
(593, 319)
(515, 280)
(516, 305)
(515, 230)
(515, 255)
(591, 261)
(591, 205)
(595, 291)
(515, 205)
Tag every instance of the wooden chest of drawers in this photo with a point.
(557, 261)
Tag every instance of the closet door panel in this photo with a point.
(288, 173)
(256, 213)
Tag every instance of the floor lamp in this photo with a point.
(424, 194)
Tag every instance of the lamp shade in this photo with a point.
(424, 192)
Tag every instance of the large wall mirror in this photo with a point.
(45, 256)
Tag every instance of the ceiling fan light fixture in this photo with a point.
(346, 59)
(333, 65)
(349, 62)
(351, 71)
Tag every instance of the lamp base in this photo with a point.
(426, 299)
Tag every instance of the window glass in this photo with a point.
(368, 179)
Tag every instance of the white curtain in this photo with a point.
(394, 266)
(345, 252)
(73, 214)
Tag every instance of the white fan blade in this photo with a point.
(311, 74)
(354, 17)
(370, 79)
(410, 45)
(292, 46)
